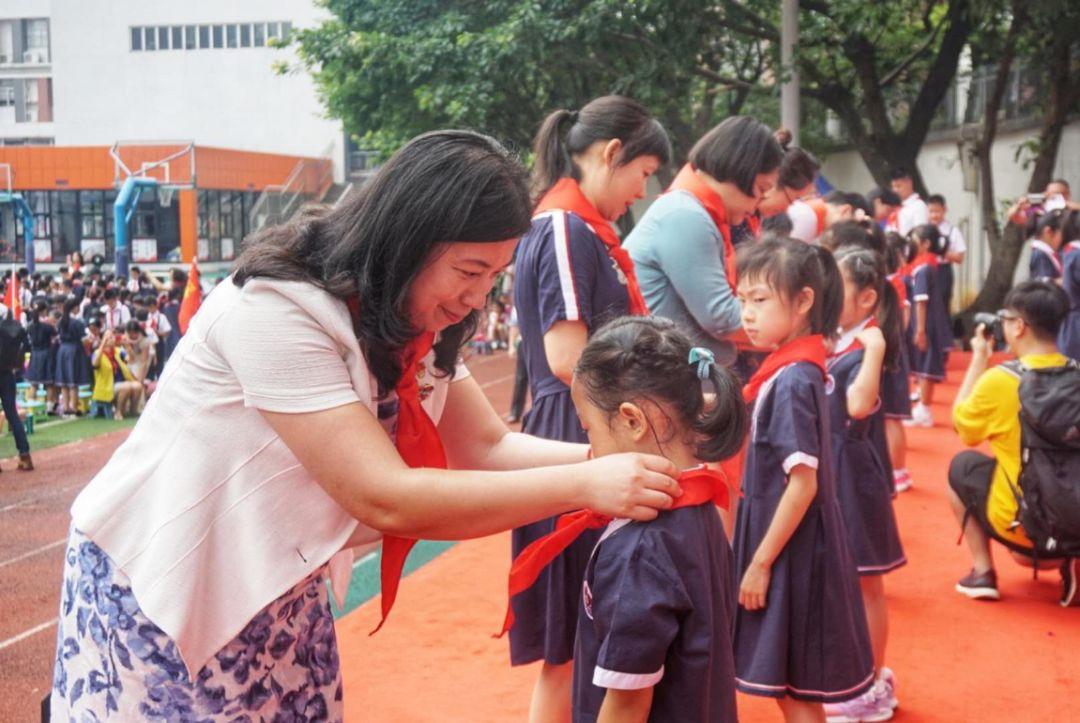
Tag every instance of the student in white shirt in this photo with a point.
(271, 448)
(955, 246)
(115, 315)
(913, 211)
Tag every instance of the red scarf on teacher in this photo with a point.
(566, 195)
(688, 181)
(699, 485)
(417, 441)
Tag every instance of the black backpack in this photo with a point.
(12, 343)
(1049, 483)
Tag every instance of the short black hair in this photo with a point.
(1043, 306)
(936, 198)
(899, 172)
(111, 293)
(885, 195)
(737, 150)
(845, 198)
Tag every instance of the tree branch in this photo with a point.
(895, 73)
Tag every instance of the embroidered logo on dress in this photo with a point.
(830, 384)
(586, 597)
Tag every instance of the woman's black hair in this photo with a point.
(639, 358)
(565, 133)
(799, 167)
(863, 234)
(789, 266)
(1056, 220)
(932, 234)
(737, 150)
(866, 269)
(441, 187)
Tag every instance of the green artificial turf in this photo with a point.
(61, 431)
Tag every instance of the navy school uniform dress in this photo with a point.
(71, 358)
(895, 382)
(1069, 337)
(810, 641)
(42, 359)
(864, 483)
(929, 364)
(562, 273)
(657, 606)
(1044, 264)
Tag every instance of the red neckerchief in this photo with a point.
(111, 356)
(924, 258)
(566, 195)
(417, 441)
(805, 348)
(855, 344)
(688, 181)
(897, 281)
(699, 485)
(1070, 247)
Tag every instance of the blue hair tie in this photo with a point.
(704, 359)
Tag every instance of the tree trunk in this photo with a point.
(1064, 88)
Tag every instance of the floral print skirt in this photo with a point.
(113, 663)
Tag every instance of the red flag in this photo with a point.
(11, 297)
(192, 298)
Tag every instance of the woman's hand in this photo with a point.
(981, 345)
(754, 588)
(630, 485)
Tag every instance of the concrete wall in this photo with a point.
(939, 163)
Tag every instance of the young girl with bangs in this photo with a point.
(800, 630)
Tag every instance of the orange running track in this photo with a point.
(956, 660)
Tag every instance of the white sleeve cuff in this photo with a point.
(604, 678)
(922, 297)
(796, 458)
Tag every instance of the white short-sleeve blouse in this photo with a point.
(203, 507)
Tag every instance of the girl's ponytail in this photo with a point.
(829, 303)
(723, 425)
(891, 320)
(552, 157)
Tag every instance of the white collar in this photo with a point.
(1046, 249)
(911, 199)
(847, 338)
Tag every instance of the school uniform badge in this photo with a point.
(586, 598)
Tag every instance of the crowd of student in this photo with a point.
(87, 329)
(833, 313)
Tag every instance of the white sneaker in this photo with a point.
(921, 416)
(902, 480)
(870, 707)
(888, 679)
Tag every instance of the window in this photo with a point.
(189, 38)
(177, 38)
(260, 35)
(271, 30)
(136, 38)
(37, 108)
(219, 36)
(92, 214)
(204, 36)
(65, 224)
(245, 36)
(163, 38)
(230, 36)
(150, 38)
(7, 93)
(286, 30)
(36, 34)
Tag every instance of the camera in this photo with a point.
(1036, 199)
(992, 328)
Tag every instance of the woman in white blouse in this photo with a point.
(194, 580)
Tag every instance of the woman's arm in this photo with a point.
(475, 437)
(799, 493)
(921, 342)
(626, 706)
(864, 392)
(563, 344)
(348, 453)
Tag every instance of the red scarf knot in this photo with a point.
(804, 348)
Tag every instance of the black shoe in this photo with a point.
(1070, 585)
(26, 463)
(979, 586)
